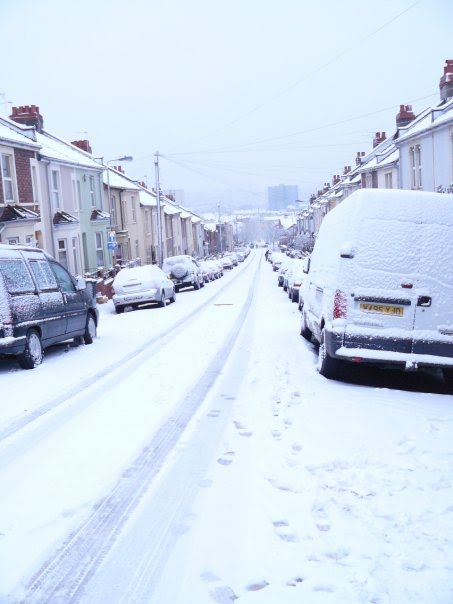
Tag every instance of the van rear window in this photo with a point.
(16, 276)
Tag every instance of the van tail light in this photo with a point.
(339, 305)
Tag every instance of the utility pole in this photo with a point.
(159, 225)
(220, 232)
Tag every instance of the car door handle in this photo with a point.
(424, 301)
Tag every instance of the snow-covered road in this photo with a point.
(193, 454)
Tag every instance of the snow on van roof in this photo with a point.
(408, 231)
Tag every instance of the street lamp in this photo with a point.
(112, 237)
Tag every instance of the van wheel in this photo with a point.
(90, 330)
(304, 331)
(33, 353)
(119, 310)
(328, 367)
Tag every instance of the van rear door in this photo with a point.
(433, 323)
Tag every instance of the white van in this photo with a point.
(379, 287)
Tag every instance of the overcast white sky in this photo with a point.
(237, 96)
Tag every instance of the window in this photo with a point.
(30, 240)
(388, 180)
(415, 166)
(124, 211)
(13, 240)
(74, 193)
(79, 195)
(137, 248)
(112, 209)
(99, 239)
(92, 192)
(43, 274)
(16, 276)
(134, 209)
(75, 255)
(7, 178)
(62, 252)
(64, 278)
(34, 181)
(56, 189)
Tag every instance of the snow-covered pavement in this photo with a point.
(215, 464)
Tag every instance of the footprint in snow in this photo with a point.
(285, 532)
(257, 586)
(226, 458)
(214, 413)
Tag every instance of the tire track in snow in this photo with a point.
(81, 396)
(64, 577)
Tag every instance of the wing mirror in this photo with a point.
(347, 250)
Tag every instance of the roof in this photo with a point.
(64, 218)
(55, 149)
(432, 117)
(116, 180)
(17, 212)
(12, 132)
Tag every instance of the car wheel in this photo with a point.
(119, 310)
(304, 331)
(327, 366)
(33, 353)
(90, 329)
(163, 301)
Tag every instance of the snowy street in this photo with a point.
(194, 455)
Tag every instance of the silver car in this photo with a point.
(142, 285)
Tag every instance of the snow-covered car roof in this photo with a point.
(147, 272)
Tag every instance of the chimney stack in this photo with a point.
(405, 116)
(28, 115)
(336, 179)
(84, 145)
(446, 82)
(346, 170)
(358, 159)
(378, 139)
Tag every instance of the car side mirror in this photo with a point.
(80, 283)
(347, 250)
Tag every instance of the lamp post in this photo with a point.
(112, 236)
(159, 220)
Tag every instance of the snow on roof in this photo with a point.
(210, 226)
(431, 117)
(147, 198)
(55, 149)
(170, 209)
(287, 222)
(117, 180)
(9, 132)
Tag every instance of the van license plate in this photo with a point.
(132, 298)
(382, 309)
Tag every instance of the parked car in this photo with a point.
(295, 280)
(276, 259)
(227, 262)
(41, 304)
(379, 287)
(282, 269)
(184, 271)
(142, 285)
(208, 270)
